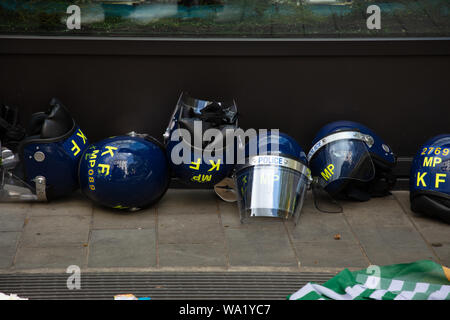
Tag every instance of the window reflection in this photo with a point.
(229, 18)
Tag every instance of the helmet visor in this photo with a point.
(270, 191)
(342, 160)
(12, 188)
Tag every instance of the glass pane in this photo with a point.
(228, 18)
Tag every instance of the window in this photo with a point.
(228, 18)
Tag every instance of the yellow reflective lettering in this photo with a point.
(420, 179)
(104, 168)
(76, 149)
(439, 180)
(331, 168)
(82, 136)
(206, 178)
(215, 165)
(94, 154)
(427, 162)
(196, 164)
(109, 150)
(436, 161)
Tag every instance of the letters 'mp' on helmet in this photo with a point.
(197, 159)
(430, 178)
(274, 178)
(127, 172)
(351, 161)
(42, 164)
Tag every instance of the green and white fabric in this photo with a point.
(421, 280)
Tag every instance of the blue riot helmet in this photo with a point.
(430, 178)
(350, 161)
(273, 179)
(41, 164)
(196, 141)
(128, 172)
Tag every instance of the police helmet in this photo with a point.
(196, 140)
(430, 178)
(128, 172)
(40, 163)
(274, 178)
(350, 161)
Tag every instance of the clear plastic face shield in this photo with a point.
(338, 159)
(14, 189)
(271, 186)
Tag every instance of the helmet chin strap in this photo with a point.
(323, 201)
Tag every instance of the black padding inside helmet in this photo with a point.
(58, 123)
(432, 205)
(35, 124)
(11, 132)
(54, 123)
(221, 116)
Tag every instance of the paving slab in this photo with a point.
(122, 248)
(14, 207)
(325, 239)
(12, 221)
(193, 228)
(385, 232)
(192, 255)
(435, 232)
(8, 245)
(432, 229)
(54, 257)
(178, 228)
(56, 231)
(105, 218)
(393, 244)
(76, 204)
(191, 201)
(380, 212)
(331, 254)
(260, 245)
(316, 226)
(229, 214)
(191, 217)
